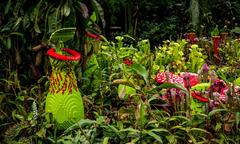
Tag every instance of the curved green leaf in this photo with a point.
(213, 112)
(63, 34)
(7, 7)
(36, 13)
(237, 81)
(161, 130)
(130, 130)
(141, 70)
(200, 130)
(79, 124)
(170, 85)
(99, 11)
(182, 118)
(155, 136)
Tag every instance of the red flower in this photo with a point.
(191, 77)
(199, 97)
(172, 78)
(128, 62)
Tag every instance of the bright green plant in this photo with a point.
(171, 54)
(196, 59)
(231, 52)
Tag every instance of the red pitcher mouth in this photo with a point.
(74, 55)
(92, 35)
(199, 97)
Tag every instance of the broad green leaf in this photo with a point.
(128, 36)
(20, 117)
(200, 130)
(152, 98)
(155, 136)
(134, 140)
(121, 91)
(130, 130)
(142, 114)
(93, 17)
(101, 119)
(141, 70)
(123, 82)
(213, 112)
(80, 124)
(36, 13)
(17, 34)
(170, 85)
(181, 128)
(201, 115)
(182, 118)
(17, 23)
(9, 43)
(161, 130)
(128, 49)
(52, 20)
(112, 128)
(92, 66)
(63, 34)
(65, 9)
(237, 81)
(171, 139)
(124, 90)
(218, 126)
(7, 7)
(99, 11)
(201, 87)
(236, 30)
(105, 140)
(41, 133)
(194, 141)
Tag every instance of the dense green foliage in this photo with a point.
(123, 103)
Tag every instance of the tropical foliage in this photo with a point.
(124, 98)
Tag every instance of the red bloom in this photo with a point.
(172, 78)
(199, 97)
(192, 78)
(128, 62)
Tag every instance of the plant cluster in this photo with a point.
(124, 100)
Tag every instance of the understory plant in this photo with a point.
(171, 55)
(123, 102)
